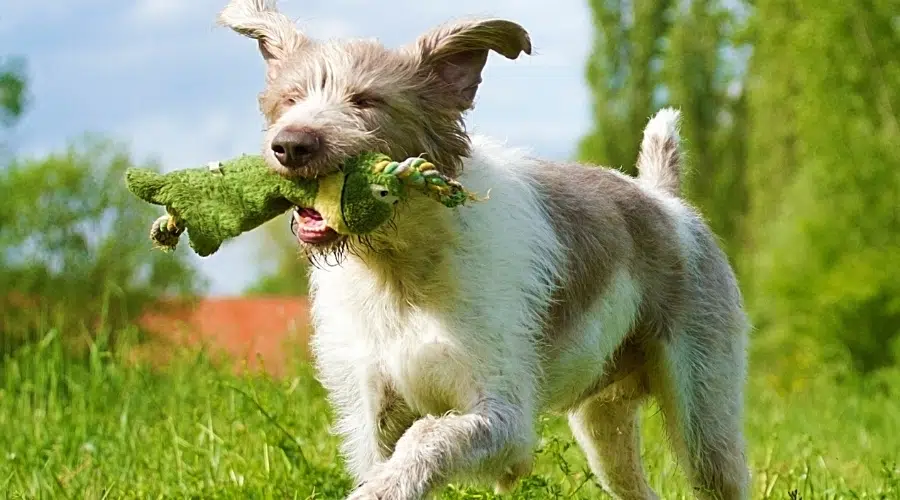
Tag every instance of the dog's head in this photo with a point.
(325, 101)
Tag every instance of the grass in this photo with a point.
(105, 428)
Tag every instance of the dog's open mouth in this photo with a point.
(310, 227)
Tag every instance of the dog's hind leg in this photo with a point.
(607, 428)
(698, 380)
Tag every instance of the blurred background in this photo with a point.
(791, 122)
(790, 119)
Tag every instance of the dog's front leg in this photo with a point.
(436, 448)
(371, 418)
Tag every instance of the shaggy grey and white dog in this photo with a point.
(573, 288)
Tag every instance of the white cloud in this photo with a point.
(160, 11)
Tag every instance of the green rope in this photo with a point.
(423, 175)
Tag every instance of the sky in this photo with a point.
(160, 77)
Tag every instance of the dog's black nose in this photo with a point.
(295, 147)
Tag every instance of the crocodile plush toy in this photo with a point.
(225, 199)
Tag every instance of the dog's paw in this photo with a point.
(375, 490)
(511, 476)
(365, 493)
(362, 495)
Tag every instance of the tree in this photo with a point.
(655, 53)
(825, 256)
(705, 71)
(622, 73)
(74, 248)
(12, 90)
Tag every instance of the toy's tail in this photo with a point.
(659, 162)
(144, 183)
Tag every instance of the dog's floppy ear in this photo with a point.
(456, 53)
(277, 35)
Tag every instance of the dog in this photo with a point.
(574, 288)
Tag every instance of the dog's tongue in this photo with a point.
(310, 227)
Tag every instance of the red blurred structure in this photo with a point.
(246, 329)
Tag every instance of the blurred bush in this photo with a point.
(74, 246)
(822, 261)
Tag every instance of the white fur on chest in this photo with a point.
(485, 340)
(370, 337)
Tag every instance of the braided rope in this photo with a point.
(423, 175)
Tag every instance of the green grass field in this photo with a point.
(104, 428)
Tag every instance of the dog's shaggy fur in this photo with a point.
(574, 288)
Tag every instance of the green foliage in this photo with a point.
(74, 248)
(655, 53)
(824, 263)
(793, 154)
(12, 90)
(622, 72)
(703, 75)
(106, 428)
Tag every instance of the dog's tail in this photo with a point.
(659, 161)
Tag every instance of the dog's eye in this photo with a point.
(381, 193)
(363, 101)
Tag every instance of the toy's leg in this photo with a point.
(165, 232)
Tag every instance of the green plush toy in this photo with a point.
(225, 199)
